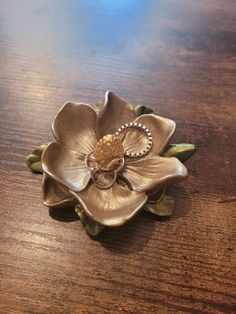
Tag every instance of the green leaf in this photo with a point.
(140, 110)
(164, 208)
(181, 151)
(93, 228)
(33, 161)
(98, 105)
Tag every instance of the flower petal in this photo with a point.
(134, 140)
(114, 113)
(154, 172)
(55, 194)
(74, 127)
(111, 207)
(162, 130)
(65, 166)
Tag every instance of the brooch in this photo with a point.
(109, 161)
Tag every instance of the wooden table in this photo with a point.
(178, 57)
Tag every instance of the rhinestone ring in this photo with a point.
(140, 127)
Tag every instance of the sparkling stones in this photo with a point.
(143, 128)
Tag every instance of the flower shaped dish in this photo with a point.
(109, 162)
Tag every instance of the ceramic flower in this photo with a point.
(108, 162)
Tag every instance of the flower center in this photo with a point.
(109, 151)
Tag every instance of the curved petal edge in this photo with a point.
(55, 194)
(74, 127)
(112, 207)
(154, 173)
(162, 130)
(114, 113)
(65, 166)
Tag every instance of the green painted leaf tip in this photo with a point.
(164, 208)
(98, 106)
(140, 110)
(181, 151)
(33, 161)
(92, 228)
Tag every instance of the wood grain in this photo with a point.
(178, 57)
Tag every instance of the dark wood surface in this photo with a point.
(179, 57)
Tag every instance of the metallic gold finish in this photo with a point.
(102, 177)
(146, 132)
(153, 173)
(162, 130)
(114, 113)
(65, 166)
(91, 162)
(74, 127)
(55, 194)
(102, 174)
(109, 149)
(111, 207)
(89, 171)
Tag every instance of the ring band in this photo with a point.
(142, 127)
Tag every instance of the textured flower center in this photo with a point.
(108, 151)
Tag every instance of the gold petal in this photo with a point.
(65, 166)
(111, 207)
(134, 140)
(55, 194)
(154, 172)
(74, 127)
(114, 113)
(162, 130)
